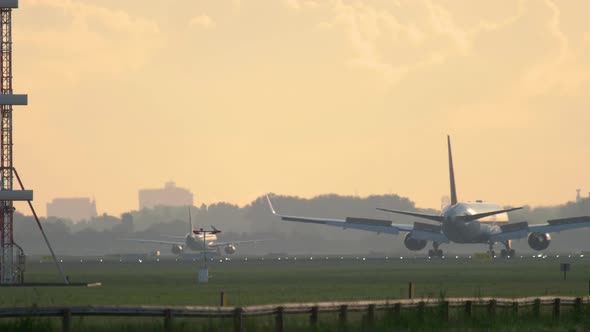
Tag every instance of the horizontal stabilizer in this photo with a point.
(415, 214)
(473, 217)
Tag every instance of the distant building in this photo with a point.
(170, 195)
(75, 209)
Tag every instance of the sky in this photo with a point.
(236, 98)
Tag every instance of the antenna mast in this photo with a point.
(11, 266)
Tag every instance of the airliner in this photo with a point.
(458, 222)
(199, 240)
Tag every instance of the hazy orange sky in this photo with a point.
(234, 99)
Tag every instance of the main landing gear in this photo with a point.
(505, 253)
(435, 252)
(508, 252)
(491, 251)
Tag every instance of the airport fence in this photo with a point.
(279, 311)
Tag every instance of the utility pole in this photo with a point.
(204, 270)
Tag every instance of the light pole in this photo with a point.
(204, 270)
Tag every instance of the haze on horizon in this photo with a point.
(236, 98)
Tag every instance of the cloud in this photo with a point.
(559, 72)
(391, 38)
(395, 39)
(202, 21)
(388, 71)
(71, 39)
(301, 4)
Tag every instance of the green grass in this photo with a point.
(260, 282)
(168, 282)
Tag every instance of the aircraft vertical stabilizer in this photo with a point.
(451, 173)
(190, 221)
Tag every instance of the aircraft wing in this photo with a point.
(371, 225)
(523, 229)
(513, 231)
(223, 244)
(175, 236)
(156, 241)
(558, 225)
(429, 232)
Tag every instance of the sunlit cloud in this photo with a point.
(78, 39)
(350, 88)
(202, 21)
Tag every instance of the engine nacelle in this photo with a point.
(230, 249)
(539, 241)
(177, 249)
(414, 244)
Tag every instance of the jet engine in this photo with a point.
(539, 241)
(230, 249)
(177, 249)
(414, 244)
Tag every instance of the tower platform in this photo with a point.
(11, 99)
(8, 3)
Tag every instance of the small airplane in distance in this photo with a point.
(198, 240)
(459, 222)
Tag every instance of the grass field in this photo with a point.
(256, 281)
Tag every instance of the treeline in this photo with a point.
(107, 234)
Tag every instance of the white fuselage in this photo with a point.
(199, 242)
(477, 231)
